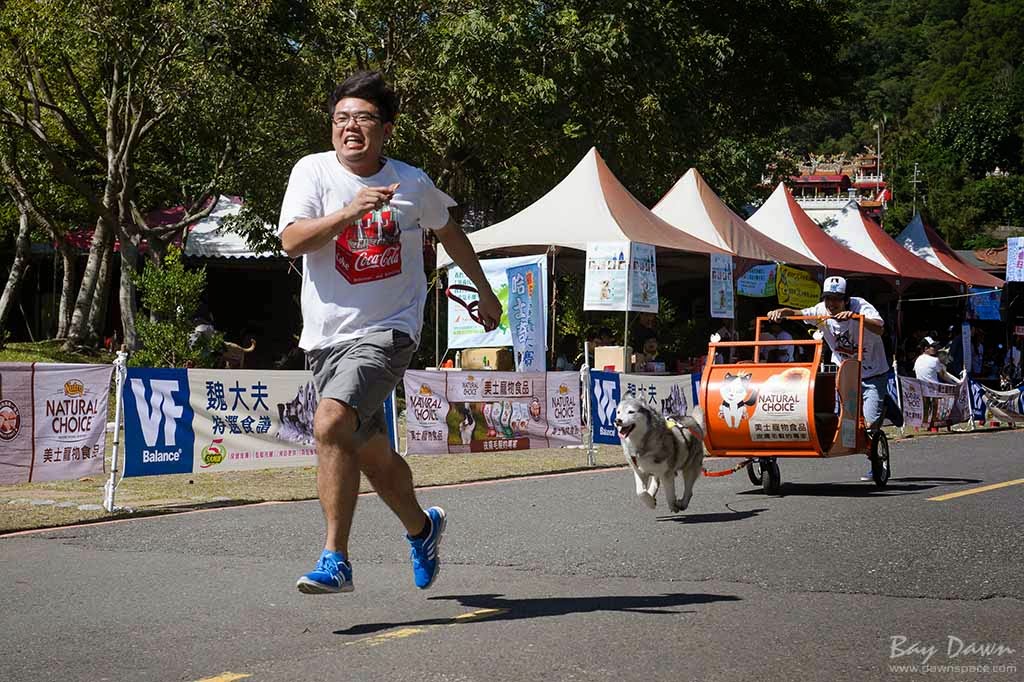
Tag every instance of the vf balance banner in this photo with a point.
(53, 421)
(486, 411)
(181, 421)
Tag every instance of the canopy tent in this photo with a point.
(782, 219)
(207, 238)
(693, 208)
(924, 242)
(857, 232)
(588, 205)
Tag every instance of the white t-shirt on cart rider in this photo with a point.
(841, 336)
(371, 277)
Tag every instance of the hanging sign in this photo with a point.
(526, 317)
(796, 288)
(722, 300)
(1015, 259)
(463, 331)
(643, 279)
(757, 282)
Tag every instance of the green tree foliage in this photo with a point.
(944, 80)
(501, 98)
(171, 295)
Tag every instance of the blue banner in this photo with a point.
(526, 317)
(158, 431)
(604, 398)
(983, 304)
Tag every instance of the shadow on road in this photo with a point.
(518, 609)
(716, 517)
(895, 487)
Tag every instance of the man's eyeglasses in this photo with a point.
(363, 119)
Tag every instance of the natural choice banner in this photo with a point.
(53, 420)
(487, 411)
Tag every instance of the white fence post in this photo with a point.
(585, 379)
(111, 486)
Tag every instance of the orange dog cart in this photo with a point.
(763, 411)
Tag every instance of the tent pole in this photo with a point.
(554, 305)
(437, 319)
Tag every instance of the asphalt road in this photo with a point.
(557, 578)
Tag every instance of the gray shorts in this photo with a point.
(362, 373)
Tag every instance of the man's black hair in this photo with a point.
(371, 86)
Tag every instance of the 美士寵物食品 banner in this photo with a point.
(487, 411)
(53, 421)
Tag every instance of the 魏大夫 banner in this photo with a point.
(194, 420)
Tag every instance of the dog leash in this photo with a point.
(726, 472)
(472, 307)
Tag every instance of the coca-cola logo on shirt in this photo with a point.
(371, 249)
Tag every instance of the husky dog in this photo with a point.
(657, 451)
(735, 398)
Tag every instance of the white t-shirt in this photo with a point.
(371, 277)
(784, 353)
(927, 367)
(766, 351)
(841, 337)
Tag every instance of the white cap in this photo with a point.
(834, 285)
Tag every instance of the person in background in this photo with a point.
(928, 367)
(649, 354)
(570, 354)
(782, 353)
(977, 353)
(605, 337)
(644, 327)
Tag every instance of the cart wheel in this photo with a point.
(754, 471)
(771, 479)
(880, 470)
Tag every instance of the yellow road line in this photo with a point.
(982, 489)
(478, 615)
(402, 633)
(394, 634)
(225, 677)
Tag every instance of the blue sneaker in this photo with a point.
(425, 562)
(332, 574)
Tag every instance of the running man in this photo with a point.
(357, 219)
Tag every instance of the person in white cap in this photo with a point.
(928, 367)
(841, 333)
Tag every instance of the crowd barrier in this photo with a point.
(54, 417)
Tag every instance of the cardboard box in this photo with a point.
(613, 356)
(496, 358)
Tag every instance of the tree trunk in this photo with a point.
(69, 257)
(18, 267)
(80, 326)
(129, 266)
(101, 299)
